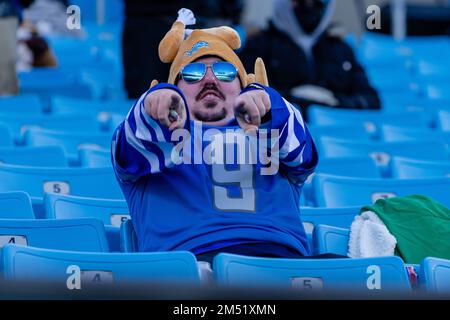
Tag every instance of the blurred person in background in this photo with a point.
(32, 49)
(10, 17)
(308, 62)
(146, 22)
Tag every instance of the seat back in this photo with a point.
(337, 217)
(95, 269)
(330, 239)
(73, 234)
(15, 205)
(37, 181)
(369, 275)
(335, 191)
(110, 211)
(94, 157)
(405, 168)
(69, 141)
(435, 275)
(44, 156)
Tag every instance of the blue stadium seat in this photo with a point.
(371, 119)
(128, 238)
(6, 137)
(361, 167)
(357, 166)
(15, 205)
(435, 275)
(111, 212)
(438, 90)
(99, 268)
(37, 181)
(394, 133)
(69, 141)
(330, 275)
(61, 105)
(356, 131)
(45, 82)
(45, 156)
(444, 120)
(72, 123)
(336, 191)
(405, 168)
(94, 157)
(337, 217)
(382, 152)
(330, 239)
(73, 234)
(21, 104)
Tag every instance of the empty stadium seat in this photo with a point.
(91, 156)
(370, 275)
(357, 166)
(330, 239)
(355, 131)
(394, 133)
(62, 104)
(72, 123)
(15, 205)
(21, 104)
(99, 268)
(405, 168)
(45, 82)
(37, 181)
(382, 152)
(338, 217)
(6, 137)
(335, 191)
(444, 120)
(73, 234)
(69, 141)
(111, 212)
(371, 119)
(362, 167)
(435, 275)
(43, 156)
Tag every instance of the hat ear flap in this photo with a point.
(154, 83)
(260, 72)
(169, 45)
(250, 79)
(229, 35)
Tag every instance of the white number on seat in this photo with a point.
(117, 219)
(56, 187)
(14, 239)
(307, 283)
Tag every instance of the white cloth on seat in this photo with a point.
(369, 237)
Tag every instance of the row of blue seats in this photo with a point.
(113, 212)
(369, 275)
(327, 190)
(424, 116)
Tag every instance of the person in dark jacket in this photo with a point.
(306, 63)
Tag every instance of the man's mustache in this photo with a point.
(211, 89)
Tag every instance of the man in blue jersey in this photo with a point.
(183, 194)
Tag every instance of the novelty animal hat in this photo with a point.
(182, 46)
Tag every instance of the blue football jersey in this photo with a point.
(179, 199)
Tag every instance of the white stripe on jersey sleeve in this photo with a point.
(136, 144)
